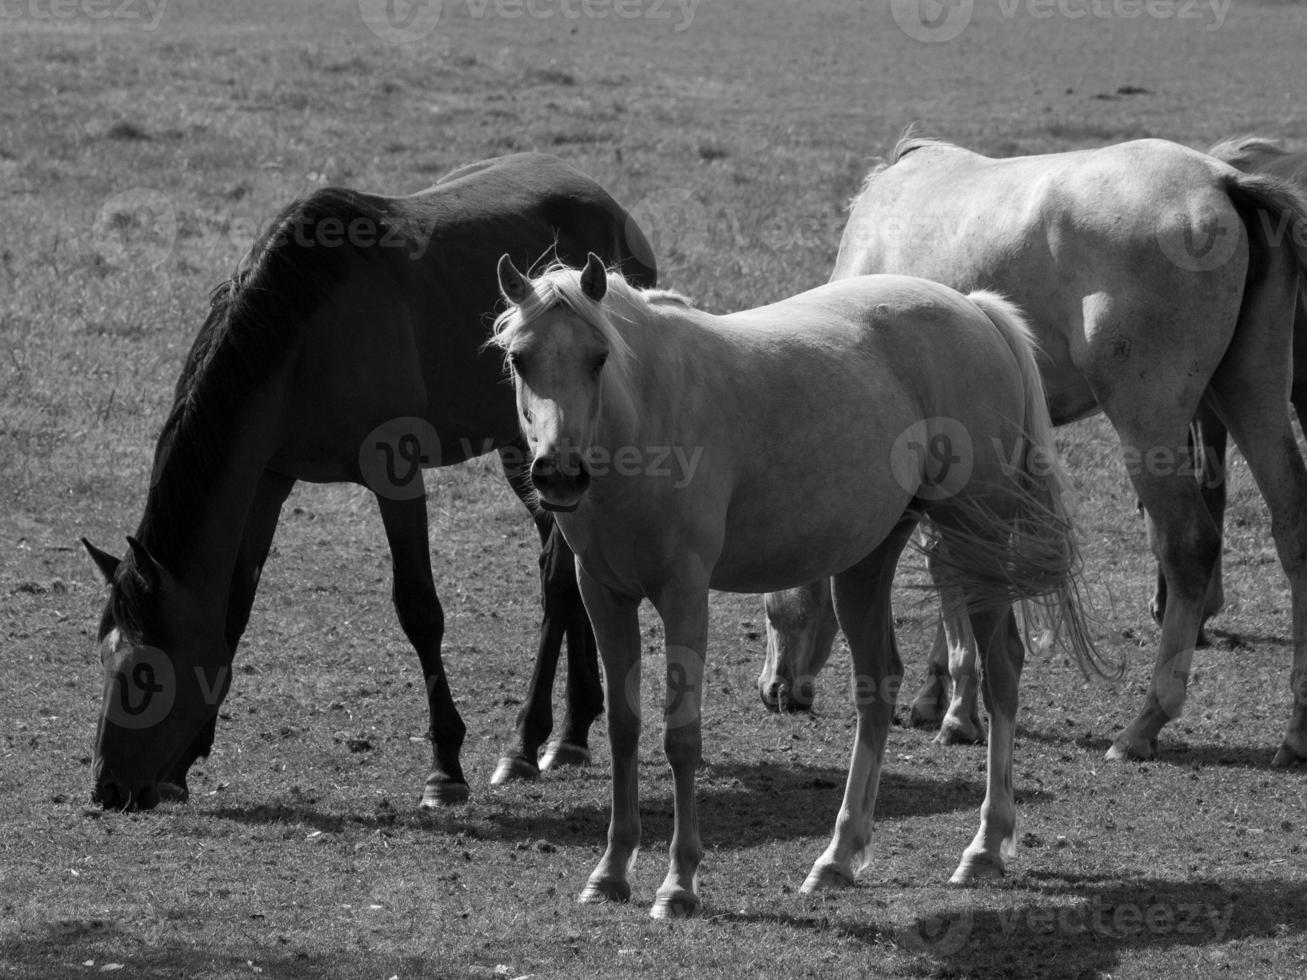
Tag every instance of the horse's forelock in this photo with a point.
(561, 286)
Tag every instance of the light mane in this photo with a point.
(623, 304)
(908, 142)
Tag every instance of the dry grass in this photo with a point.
(737, 142)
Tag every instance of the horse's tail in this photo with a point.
(1038, 559)
(1247, 153)
(1274, 213)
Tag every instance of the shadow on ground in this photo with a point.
(1077, 926)
(760, 803)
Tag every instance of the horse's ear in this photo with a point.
(105, 562)
(152, 573)
(512, 283)
(594, 280)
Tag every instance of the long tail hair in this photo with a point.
(1033, 557)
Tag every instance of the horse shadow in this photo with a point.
(59, 950)
(747, 804)
(1174, 750)
(1079, 925)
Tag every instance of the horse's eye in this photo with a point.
(599, 363)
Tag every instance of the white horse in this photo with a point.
(812, 426)
(1157, 281)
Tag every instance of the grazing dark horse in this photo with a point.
(1157, 280)
(346, 348)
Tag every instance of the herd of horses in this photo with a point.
(975, 304)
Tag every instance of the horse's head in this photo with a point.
(557, 340)
(166, 671)
(800, 629)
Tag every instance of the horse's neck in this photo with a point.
(196, 532)
(658, 337)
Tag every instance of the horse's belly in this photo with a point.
(799, 547)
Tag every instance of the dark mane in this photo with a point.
(256, 320)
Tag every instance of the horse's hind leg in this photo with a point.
(423, 622)
(1186, 543)
(1250, 389)
(862, 603)
(1003, 657)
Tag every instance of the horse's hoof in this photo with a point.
(440, 791)
(1288, 756)
(977, 868)
(826, 876)
(513, 769)
(600, 890)
(952, 733)
(1131, 750)
(560, 755)
(675, 903)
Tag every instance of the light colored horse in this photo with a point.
(953, 657)
(805, 433)
(1158, 281)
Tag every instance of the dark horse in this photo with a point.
(346, 348)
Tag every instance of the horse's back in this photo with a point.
(1083, 242)
(559, 202)
(858, 374)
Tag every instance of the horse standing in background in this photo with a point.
(1158, 281)
(806, 419)
(953, 655)
(347, 348)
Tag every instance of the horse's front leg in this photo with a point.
(423, 622)
(684, 610)
(617, 630)
(952, 659)
(961, 724)
(564, 616)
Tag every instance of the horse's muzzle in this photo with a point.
(560, 483)
(783, 698)
(113, 795)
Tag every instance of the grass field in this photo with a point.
(138, 157)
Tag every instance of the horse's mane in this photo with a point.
(908, 142)
(623, 303)
(255, 321)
